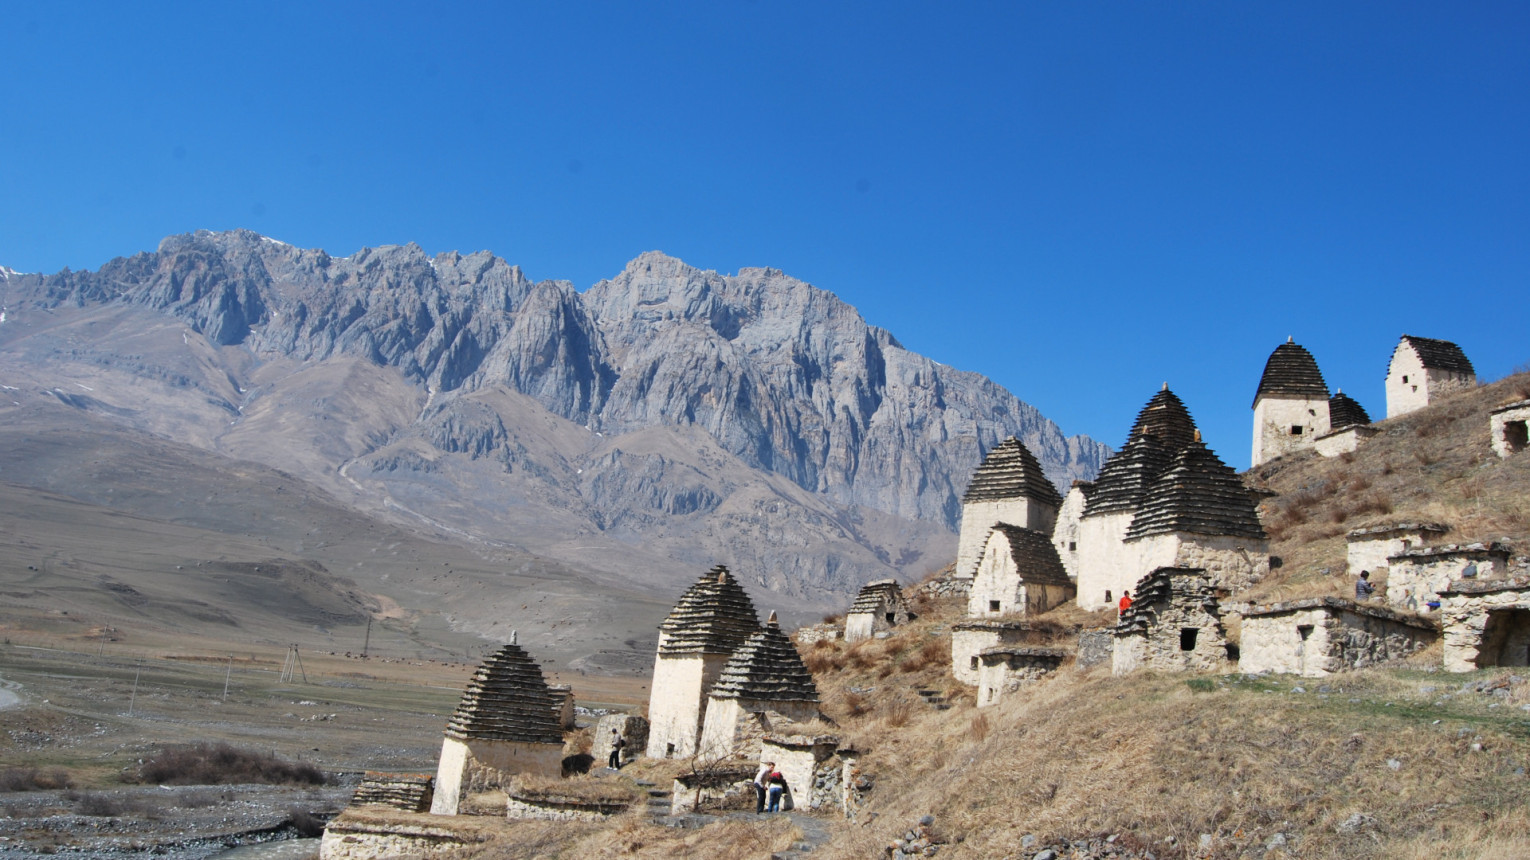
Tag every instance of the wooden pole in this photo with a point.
(227, 675)
(134, 698)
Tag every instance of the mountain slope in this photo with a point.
(665, 419)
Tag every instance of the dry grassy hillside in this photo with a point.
(1434, 464)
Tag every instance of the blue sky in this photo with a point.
(1079, 200)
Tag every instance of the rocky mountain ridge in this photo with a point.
(640, 409)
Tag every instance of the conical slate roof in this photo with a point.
(1157, 591)
(1199, 494)
(768, 668)
(874, 595)
(1291, 372)
(1124, 480)
(507, 700)
(1439, 354)
(1345, 411)
(1011, 471)
(1166, 418)
(1035, 557)
(713, 616)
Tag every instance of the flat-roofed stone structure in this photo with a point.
(1422, 370)
(1019, 573)
(712, 619)
(972, 637)
(763, 687)
(1009, 487)
(1350, 424)
(1175, 624)
(406, 792)
(811, 768)
(1005, 669)
(1290, 405)
(1485, 623)
(1508, 425)
(1415, 577)
(879, 606)
(505, 724)
(1370, 547)
(1322, 635)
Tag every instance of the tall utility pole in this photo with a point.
(368, 644)
(228, 674)
(134, 698)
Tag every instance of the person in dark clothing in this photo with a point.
(1363, 587)
(617, 742)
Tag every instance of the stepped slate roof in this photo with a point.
(1010, 471)
(1159, 589)
(1166, 418)
(1035, 557)
(1199, 494)
(768, 668)
(1124, 480)
(1439, 354)
(1345, 411)
(507, 700)
(874, 595)
(713, 616)
(1291, 371)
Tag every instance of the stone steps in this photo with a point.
(935, 698)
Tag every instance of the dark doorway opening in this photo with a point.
(1505, 639)
(1516, 435)
(1187, 638)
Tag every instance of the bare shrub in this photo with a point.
(980, 727)
(101, 805)
(305, 823)
(935, 652)
(818, 661)
(897, 714)
(221, 764)
(32, 779)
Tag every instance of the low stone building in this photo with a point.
(1004, 670)
(1019, 573)
(879, 606)
(1370, 547)
(1424, 369)
(1509, 425)
(505, 724)
(1322, 635)
(1415, 577)
(1486, 623)
(629, 727)
(406, 792)
(970, 638)
(811, 768)
(1174, 624)
(1009, 487)
(1351, 425)
(711, 620)
(763, 688)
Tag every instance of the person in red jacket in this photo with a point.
(1125, 604)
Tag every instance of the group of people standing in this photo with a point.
(769, 787)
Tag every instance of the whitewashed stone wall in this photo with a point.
(1159, 646)
(1066, 535)
(1464, 615)
(1343, 441)
(632, 728)
(978, 518)
(1004, 671)
(998, 589)
(1286, 424)
(734, 727)
(1321, 636)
(484, 765)
(1413, 580)
(1233, 563)
(352, 839)
(1410, 386)
(1371, 551)
(804, 763)
(676, 705)
(1106, 564)
(1508, 425)
(544, 809)
(969, 639)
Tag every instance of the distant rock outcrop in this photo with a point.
(783, 376)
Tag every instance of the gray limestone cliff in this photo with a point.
(783, 375)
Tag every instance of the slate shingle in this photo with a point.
(768, 668)
(507, 699)
(1345, 411)
(1034, 555)
(713, 616)
(1439, 354)
(1199, 494)
(1291, 371)
(1011, 471)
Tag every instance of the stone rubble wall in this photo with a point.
(1094, 647)
(1233, 563)
(1414, 581)
(999, 676)
(349, 839)
(1343, 441)
(1499, 422)
(1463, 618)
(632, 728)
(1275, 416)
(543, 809)
(1338, 641)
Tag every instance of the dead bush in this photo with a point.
(32, 779)
(305, 823)
(897, 713)
(819, 661)
(102, 805)
(935, 652)
(221, 764)
(980, 727)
